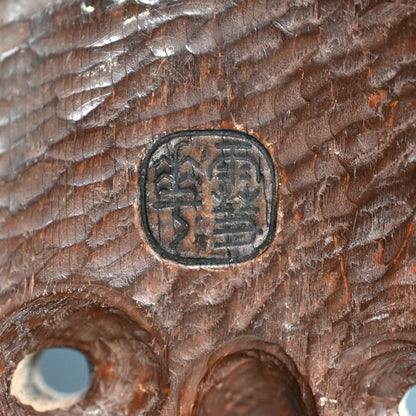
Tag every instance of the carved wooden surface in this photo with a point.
(328, 87)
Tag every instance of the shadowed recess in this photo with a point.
(251, 384)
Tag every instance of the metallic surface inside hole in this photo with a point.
(53, 378)
(407, 406)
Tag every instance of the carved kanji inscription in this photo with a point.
(208, 197)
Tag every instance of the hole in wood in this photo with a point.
(53, 378)
(247, 377)
(407, 406)
(251, 385)
(130, 371)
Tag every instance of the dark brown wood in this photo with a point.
(321, 319)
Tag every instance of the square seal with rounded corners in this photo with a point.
(208, 197)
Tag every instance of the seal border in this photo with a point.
(203, 261)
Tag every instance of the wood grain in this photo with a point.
(327, 86)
